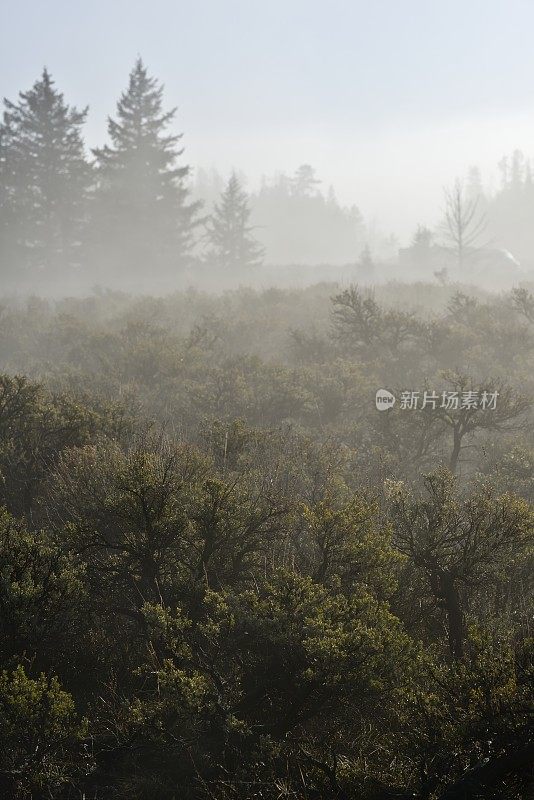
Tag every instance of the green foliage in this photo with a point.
(34, 429)
(41, 739)
(474, 713)
(233, 565)
(44, 180)
(253, 672)
(41, 598)
(229, 234)
(141, 214)
(461, 545)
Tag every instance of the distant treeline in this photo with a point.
(128, 211)
(130, 214)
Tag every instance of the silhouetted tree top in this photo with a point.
(143, 213)
(229, 234)
(138, 132)
(44, 179)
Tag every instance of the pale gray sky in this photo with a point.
(387, 99)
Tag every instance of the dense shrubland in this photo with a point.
(225, 574)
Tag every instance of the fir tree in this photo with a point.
(304, 182)
(229, 234)
(143, 220)
(365, 260)
(44, 180)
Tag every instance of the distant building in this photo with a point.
(494, 264)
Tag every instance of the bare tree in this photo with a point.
(459, 543)
(523, 302)
(463, 223)
(465, 422)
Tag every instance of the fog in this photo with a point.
(267, 400)
(389, 107)
(137, 213)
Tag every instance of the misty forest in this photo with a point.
(226, 572)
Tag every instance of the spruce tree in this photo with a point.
(229, 234)
(143, 222)
(44, 181)
(304, 182)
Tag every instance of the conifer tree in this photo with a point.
(229, 234)
(304, 183)
(142, 218)
(44, 181)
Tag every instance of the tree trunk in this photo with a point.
(488, 774)
(455, 616)
(456, 448)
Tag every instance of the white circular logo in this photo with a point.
(384, 400)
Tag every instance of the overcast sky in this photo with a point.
(389, 99)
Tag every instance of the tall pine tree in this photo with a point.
(44, 181)
(143, 222)
(229, 234)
